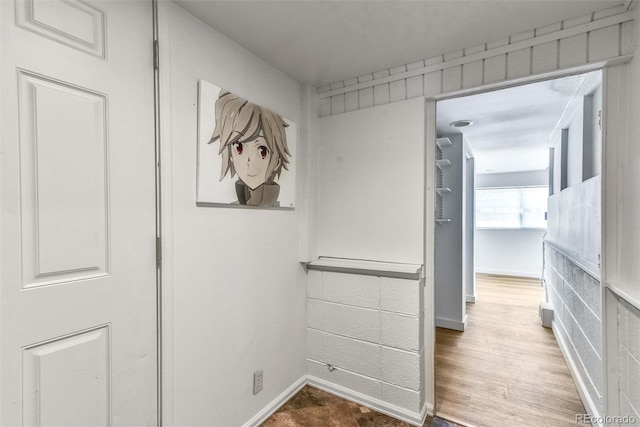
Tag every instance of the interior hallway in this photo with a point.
(505, 369)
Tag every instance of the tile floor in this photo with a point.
(312, 407)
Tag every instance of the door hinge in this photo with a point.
(156, 55)
(158, 251)
(600, 119)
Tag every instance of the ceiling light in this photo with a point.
(461, 123)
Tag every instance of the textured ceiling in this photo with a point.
(322, 42)
(512, 127)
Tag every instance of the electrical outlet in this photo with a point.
(257, 381)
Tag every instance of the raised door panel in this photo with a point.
(71, 22)
(67, 380)
(63, 164)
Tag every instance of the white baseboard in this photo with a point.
(416, 419)
(471, 299)
(456, 325)
(585, 397)
(529, 274)
(272, 407)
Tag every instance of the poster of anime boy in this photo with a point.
(245, 152)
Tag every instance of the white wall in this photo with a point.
(510, 252)
(371, 184)
(574, 222)
(577, 136)
(486, 180)
(580, 127)
(469, 257)
(559, 169)
(233, 289)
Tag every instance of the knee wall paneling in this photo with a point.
(575, 296)
(629, 351)
(368, 328)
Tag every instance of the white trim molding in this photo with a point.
(452, 324)
(277, 403)
(370, 402)
(596, 38)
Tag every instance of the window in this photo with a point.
(512, 207)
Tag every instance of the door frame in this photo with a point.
(158, 189)
(613, 120)
(615, 124)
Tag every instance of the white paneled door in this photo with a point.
(77, 214)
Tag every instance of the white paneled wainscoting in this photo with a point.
(574, 292)
(365, 334)
(624, 326)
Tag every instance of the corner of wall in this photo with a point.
(307, 188)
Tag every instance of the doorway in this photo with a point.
(516, 158)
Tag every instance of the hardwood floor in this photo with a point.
(505, 369)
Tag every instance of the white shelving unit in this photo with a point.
(443, 142)
(453, 238)
(441, 189)
(443, 163)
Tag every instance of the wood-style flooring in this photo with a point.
(505, 369)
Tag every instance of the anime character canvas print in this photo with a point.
(245, 152)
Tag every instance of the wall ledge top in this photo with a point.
(367, 267)
(589, 267)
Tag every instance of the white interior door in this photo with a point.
(77, 206)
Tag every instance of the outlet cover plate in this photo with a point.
(257, 381)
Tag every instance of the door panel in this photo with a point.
(77, 214)
(80, 362)
(74, 23)
(63, 165)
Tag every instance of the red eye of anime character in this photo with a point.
(264, 151)
(238, 147)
